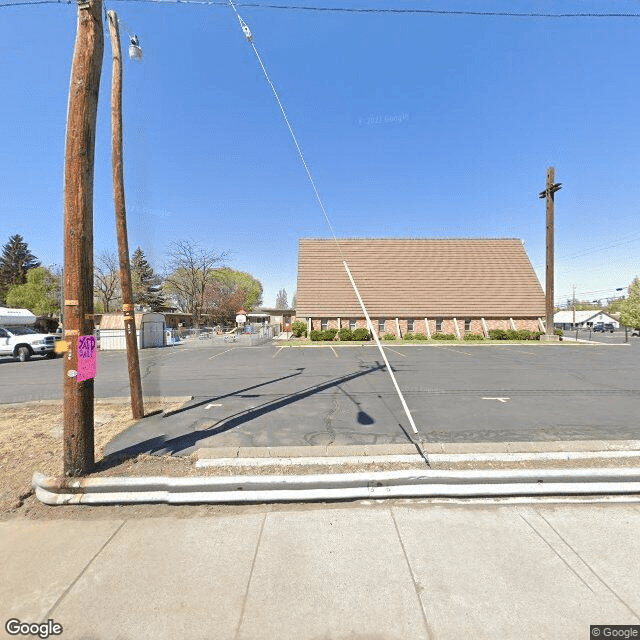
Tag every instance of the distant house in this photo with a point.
(281, 317)
(583, 319)
(419, 285)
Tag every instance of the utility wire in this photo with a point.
(364, 10)
(249, 37)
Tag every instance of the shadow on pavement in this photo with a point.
(161, 445)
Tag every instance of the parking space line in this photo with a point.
(453, 350)
(221, 353)
(277, 352)
(335, 353)
(404, 355)
(531, 353)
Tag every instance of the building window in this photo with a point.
(381, 322)
(410, 326)
(352, 324)
(467, 324)
(324, 324)
(439, 324)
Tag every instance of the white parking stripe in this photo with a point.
(221, 353)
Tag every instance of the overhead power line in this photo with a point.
(362, 10)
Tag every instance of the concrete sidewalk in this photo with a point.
(400, 570)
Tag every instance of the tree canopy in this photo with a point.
(16, 260)
(630, 308)
(228, 292)
(40, 293)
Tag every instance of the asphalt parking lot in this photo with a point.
(281, 395)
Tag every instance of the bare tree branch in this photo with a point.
(106, 278)
(189, 272)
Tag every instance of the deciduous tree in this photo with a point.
(106, 279)
(630, 308)
(281, 300)
(189, 272)
(229, 291)
(40, 293)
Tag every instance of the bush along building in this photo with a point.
(419, 285)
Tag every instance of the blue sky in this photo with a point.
(412, 125)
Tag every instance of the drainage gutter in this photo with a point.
(340, 486)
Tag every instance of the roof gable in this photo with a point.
(419, 277)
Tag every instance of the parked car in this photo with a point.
(603, 327)
(635, 332)
(24, 342)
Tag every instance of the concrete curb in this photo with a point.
(478, 449)
(345, 486)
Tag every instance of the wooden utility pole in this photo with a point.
(548, 193)
(78, 234)
(133, 363)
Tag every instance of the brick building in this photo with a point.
(419, 285)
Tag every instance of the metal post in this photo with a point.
(133, 362)
(78, 234)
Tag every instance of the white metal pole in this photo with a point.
(377, 341)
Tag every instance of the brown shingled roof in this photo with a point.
(419, 277)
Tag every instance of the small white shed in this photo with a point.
(149, 330)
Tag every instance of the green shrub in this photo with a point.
(473, 336)
(497, 334)
(329, 334)
(389, 336)
(345, 334)
(558, 332)
(299, 329)
(315, 335)
(443, 336)
(512, 334)
(361, 334)
(408, 336)
(420, 336)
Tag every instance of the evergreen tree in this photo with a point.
(15, 261)
(146, 285)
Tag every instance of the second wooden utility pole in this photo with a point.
(548, 193)
(78, 395)
(133, 363)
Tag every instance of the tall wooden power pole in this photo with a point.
(133, 363)
(78, 234)
(548, 193)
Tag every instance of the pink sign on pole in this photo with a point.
(87, 358)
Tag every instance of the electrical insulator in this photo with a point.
(135, 52)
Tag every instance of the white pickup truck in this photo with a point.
(24, 342)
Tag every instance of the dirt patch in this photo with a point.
(31, 440)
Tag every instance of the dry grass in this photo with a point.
(31, 440)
